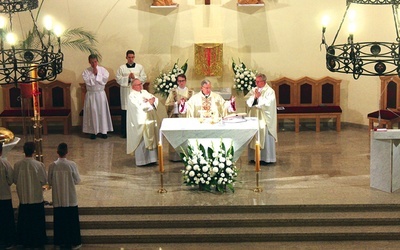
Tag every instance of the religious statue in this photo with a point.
(250, 1)
(163, 3)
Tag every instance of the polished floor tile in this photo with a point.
(328, 167)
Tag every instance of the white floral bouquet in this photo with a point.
(165, 82)
(209, 169)
(244, 79)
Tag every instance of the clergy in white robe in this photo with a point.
(63, 176)
(7, 225)
(124, 76)
(175, 104)
(177, 97)
(29, 176)
(96, 112)
(143, 122)
(262, 103)
(209, 104)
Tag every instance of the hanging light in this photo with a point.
(363, 58)
(16, 61)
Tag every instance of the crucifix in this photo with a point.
(207, 2)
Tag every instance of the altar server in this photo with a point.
(145, 114)
(7, 222)
(96, 112)
(209, 103)
(63, 176)
(125, 74)
(262, 103)
(30, 176)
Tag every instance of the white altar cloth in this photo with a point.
(179, 130)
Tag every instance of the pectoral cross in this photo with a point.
(207, 2)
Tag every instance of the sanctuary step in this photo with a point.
(223, 224)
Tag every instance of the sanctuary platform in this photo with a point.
(324, 168)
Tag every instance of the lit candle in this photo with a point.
(257, 156)
(35, 93)
(160, 158)
(325, 21)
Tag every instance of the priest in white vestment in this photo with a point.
(96, 112)
(124, 76)
(208, 104)
(262, 103)
(143, 123)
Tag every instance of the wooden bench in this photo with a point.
(389, 104)
(55, 105)
(307, 98)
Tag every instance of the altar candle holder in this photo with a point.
(161, 168)
(37, 126)
(258, 169)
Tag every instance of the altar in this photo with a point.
(385, 160)
(178, 131)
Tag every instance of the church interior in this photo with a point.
(318, 192)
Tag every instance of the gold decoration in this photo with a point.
(6, 135)
(208, 59)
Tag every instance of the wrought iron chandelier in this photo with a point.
(20, 63)
(364, 58)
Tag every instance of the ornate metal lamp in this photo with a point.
(364, 58)
(29, 62)
(18, 63)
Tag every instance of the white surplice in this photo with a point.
(122, 78)
(63, 176)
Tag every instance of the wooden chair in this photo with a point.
(389, 105)
(57, 105)
(18, 107)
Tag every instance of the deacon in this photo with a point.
(176, 106)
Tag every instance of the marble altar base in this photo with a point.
(385, 160)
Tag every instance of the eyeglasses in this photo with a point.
(181, 80)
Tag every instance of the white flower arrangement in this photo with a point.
(244, 79)
(165, 82)
(209, 169)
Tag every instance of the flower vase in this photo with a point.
(245, 92)
(201, 187)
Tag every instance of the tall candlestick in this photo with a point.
(35, 93)
(257, 156)
(160, 158)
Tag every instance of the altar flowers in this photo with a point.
(165, 82)
(211, 169)
(244, 79)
